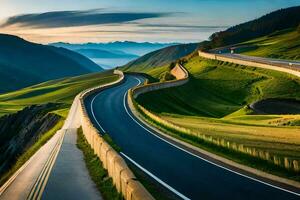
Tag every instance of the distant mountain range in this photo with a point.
(112, 54)
(23, 63)
(99, 53)
(136, 48)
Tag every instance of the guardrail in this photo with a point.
(123, 178)
(281, 68)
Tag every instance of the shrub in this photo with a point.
(166, 76)
(182, 61)
(172, 65)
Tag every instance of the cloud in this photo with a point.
(77, 18)
(180, 26)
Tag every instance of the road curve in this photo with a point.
(187, 175)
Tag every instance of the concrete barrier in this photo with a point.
(178, 71)
(219, 57)
(122, 177)
(119, 167)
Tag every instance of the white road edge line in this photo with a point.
(92, 110)
(155, 178)
(249, 177)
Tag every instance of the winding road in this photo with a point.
(187, 174)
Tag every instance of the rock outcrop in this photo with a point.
(21, 130)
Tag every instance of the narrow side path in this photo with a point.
(20, 186)
(69, 178)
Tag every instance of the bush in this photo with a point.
(172, 65)
(298, 29)
(182, 61)
(167, 76)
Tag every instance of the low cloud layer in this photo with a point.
(180, 26)
(77, 18)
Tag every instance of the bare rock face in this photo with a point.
(276, 106)
(21, 130)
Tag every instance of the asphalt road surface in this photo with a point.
(187, 175)
(277, 62)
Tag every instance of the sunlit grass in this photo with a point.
(284, 45)
(59, 91)
(283, 141)
(217, 89)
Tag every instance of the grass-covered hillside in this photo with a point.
(265, 25)
(217, 89)
(60, 91)
(160, 57)
(215, 103)
(23, 63)
(283, 44)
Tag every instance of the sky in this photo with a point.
(79, 21)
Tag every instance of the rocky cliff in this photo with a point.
(21, 130)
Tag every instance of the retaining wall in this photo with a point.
(178, 71)
(124, 180)
(219, 57)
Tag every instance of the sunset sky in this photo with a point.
(77, 21)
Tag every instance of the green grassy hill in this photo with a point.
(265, 25)
(283, 44)
(23, 63)
(160, 57)
(60, 91)
(217, 89)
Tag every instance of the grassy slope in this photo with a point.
(98, 174)
(218, 89)
(275, 21)
(160, 57)
(214, 100)
(59, 91)
(283, 44)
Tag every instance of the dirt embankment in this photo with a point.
(276, 106)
